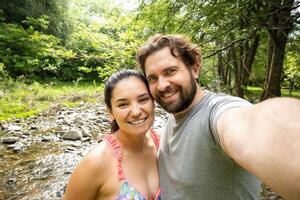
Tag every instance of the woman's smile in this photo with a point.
(138, 122)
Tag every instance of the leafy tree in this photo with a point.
(292, 66)
(29, 52)
(103, 38)
(16, 11)
(230, 32)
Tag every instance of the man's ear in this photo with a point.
(196, 68)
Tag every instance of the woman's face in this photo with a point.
(132, 106)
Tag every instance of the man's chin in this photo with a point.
(170, 108)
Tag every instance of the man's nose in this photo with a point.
(163, 84)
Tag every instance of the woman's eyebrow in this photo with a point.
(121, 100)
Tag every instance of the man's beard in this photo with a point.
(185, 98)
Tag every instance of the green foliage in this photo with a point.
(217, 26)
(292, 69)
(31, 53)
(91, 39)
(40, 23)
(103, 38)
(16, 11)
(253, 93)
(18, 99)
(2, 18)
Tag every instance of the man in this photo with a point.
(213, 141)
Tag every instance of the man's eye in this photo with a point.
(170, 72)
(151, 79)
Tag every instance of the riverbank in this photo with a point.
(38, 154)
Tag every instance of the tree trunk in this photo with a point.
(221, 70)
(278, 25)
(240, 71)
(249, 58)
(237, 71)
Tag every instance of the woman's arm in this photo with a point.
(86, 180)
(265, 140)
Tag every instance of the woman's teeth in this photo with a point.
(137, 121)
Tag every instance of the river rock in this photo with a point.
(104, 119)
(10, 140)
(17, 147)
(18, 120)
(11, 181)
(70, 112)
(85, 132)
(12, 127)
(78, 120)
(46, 139)
(33, 127)
(73, 134)
(86, 139)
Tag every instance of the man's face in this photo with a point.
(171, 84)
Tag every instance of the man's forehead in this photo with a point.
(160, 55)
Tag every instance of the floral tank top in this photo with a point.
(127, 192)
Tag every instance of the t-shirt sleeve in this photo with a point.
(219, 105)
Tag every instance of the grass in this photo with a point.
(20, 100)
(254, 93)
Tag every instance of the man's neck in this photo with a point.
(198, 97)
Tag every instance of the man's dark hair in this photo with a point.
(179, 46)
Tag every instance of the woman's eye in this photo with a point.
(122, 105)
(145, 99)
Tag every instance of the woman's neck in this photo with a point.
(133, 143)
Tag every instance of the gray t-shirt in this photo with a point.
(192, 164)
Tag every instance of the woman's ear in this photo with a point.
(111, 115)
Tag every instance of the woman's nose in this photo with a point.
(136, 109)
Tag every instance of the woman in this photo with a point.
(124, 165)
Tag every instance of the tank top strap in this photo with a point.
(117, 150)
(155, 137)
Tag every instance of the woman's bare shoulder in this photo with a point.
(91, 173)
(99, 157)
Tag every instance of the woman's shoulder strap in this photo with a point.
(155, 137)
(117, 150)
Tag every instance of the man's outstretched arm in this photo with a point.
(265, 140)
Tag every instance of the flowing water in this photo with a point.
(41, 171)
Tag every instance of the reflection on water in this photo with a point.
(40, 172)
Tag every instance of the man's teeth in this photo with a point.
(137, 122)
(167, 95)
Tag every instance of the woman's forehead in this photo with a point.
(129, 87)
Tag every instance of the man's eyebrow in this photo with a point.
(150, 76)
(170, 67)
(164, 70)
